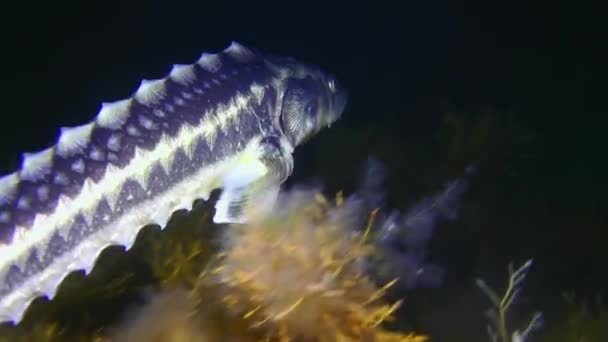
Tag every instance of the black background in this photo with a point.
(406, 64)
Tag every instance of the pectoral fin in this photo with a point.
(243, 204)
(238, 185)
(251, 186)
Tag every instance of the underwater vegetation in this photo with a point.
(304, 273)
(498, 330)
(581, 320)
(319, 268)
(324, 267)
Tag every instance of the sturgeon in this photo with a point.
(229, 121)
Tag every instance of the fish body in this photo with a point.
(231, 121)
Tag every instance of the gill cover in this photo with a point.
(303, 102)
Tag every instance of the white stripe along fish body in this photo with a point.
(231, 120)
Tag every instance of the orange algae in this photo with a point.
(301, 277)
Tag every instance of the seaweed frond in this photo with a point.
(497, 329)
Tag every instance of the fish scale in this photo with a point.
(207, 125)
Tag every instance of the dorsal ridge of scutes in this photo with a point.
(114, 114)
(183, 73)
(8, 187)
(36, 165)
(211, 62)
(73, 140)
(150, 92)
(239, 52)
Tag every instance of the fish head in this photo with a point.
(311, 101)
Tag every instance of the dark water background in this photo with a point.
(524, 82)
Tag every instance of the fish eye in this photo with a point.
(310, 109)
